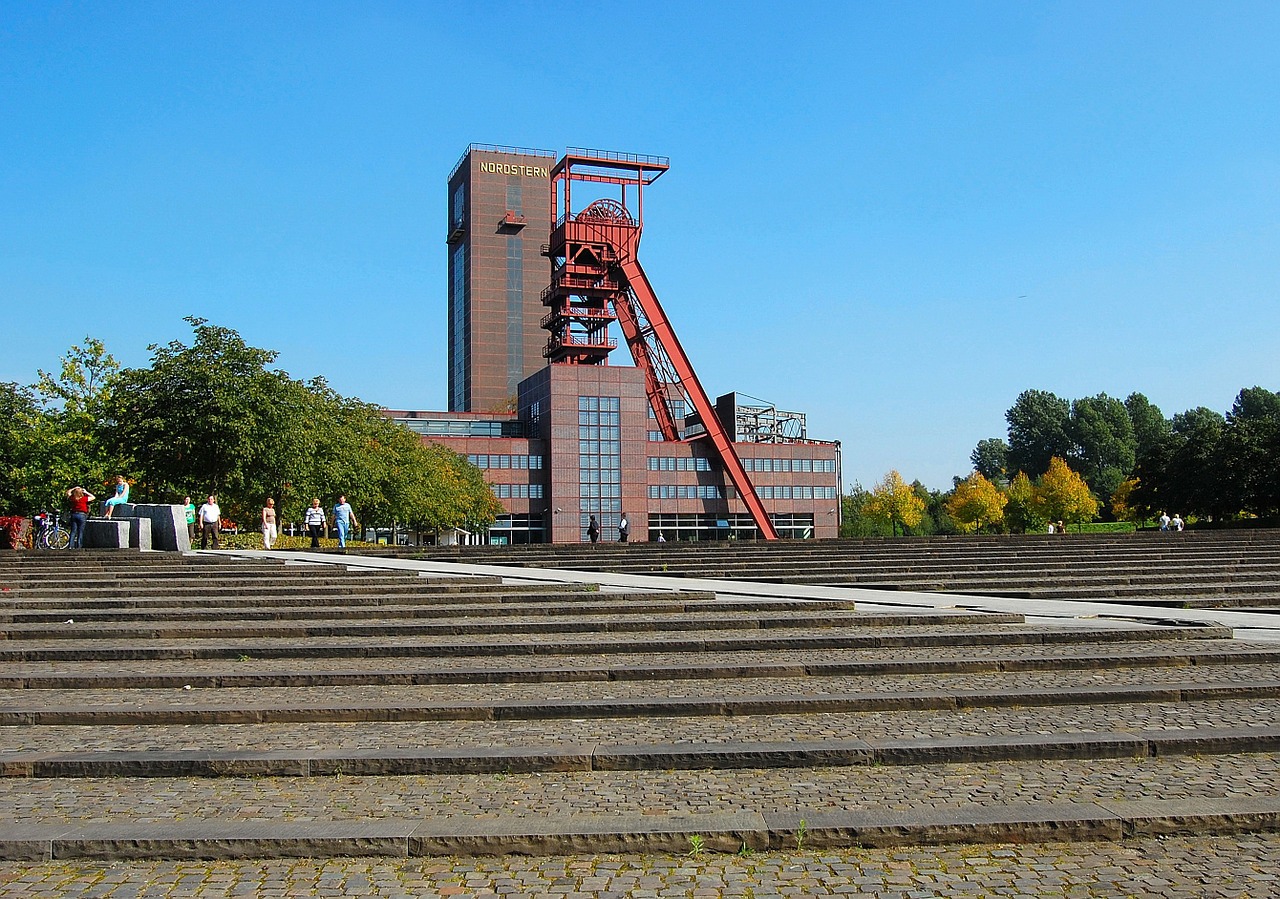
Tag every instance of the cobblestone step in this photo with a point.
(1096, 659)
(599, 812)
(390, 704)
(451, 593)
(529, 624)
(589, 757)
(318, 647)
(498, 718)
(438, 607)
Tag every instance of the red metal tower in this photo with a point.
(596, 279)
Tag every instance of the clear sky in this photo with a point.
(892, 216)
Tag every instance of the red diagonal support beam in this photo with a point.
(720, 439)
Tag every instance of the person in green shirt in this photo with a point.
(191, 519)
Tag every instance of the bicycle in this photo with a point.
(50, 534)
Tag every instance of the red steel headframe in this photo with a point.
(605, 232)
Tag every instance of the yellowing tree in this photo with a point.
(1121, 502)
(1020, 515)
(975, 502)
(1062, 495)
(894, 502)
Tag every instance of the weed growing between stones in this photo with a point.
(697, 847)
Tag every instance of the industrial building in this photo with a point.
(543, 271)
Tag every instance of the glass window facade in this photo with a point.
(492, 460)
(685, 526)
(679, 463)
(599, 462)
(464, 427)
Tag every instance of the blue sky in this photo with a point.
(892, 216)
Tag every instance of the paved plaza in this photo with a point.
(225, 725)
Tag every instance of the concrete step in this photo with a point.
(509, 830)
(575, 670)
(799, 753)
(726, 642)
(389, 624)
(587, 604)
(809, 695)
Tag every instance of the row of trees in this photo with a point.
(974, 504)
(1074, 460)
(212, 417)
(1139, 463)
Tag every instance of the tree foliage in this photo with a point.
(895, 502)
(211, 417)
(1103, 444)
(990, 459)
(1021, 514)
(1038, 422)
(976, 502)
(1062, 495)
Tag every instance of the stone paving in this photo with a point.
(563, 718)
(807, 792)
(1177, 867)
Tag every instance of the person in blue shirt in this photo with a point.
(344, 519)
(119, 498)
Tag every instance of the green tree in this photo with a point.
(895, 502)
(210, 417)
(854, 522)
(990, 459)
(1150, 428)
(19, 417)
(976, 502)
(201, 417)
(1037, 431)
(59, 430)
(1062, 495)
(1105, 446)
(1250, 451)
(1185, 473)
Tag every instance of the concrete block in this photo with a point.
(168, 524)
(140, 534)
(107, 533)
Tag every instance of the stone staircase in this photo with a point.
(1192, 569)
(214, 706)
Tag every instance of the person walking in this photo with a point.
(314, 521)
(119, 496)
(624, 529)
(80, 499)
(269, 530)
(593, 530)
(210, 522)
(344, 519)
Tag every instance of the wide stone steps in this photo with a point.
(137, 705)
(799, 621)
(652, 811)
(158, 718)
(755, 639)
(438, 608)
(775, 739)
(1035, 566)
(571, 671)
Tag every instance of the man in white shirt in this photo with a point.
(210, 517)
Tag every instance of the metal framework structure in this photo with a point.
(597, 279)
